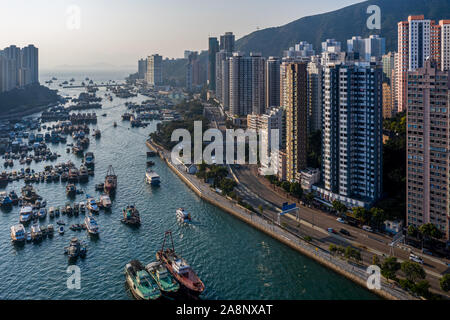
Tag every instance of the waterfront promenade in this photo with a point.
(354, 272)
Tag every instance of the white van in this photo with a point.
(415, 258)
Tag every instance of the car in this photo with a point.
(367, 228)
(415, 258)
(331, 230)
(428, 252)
(344, 232)
(340, 220)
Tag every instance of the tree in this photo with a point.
(296, 190)
(429, 230)
(286, 185)
(377, 216)
(421, 288)
(445, 282)
(413, 231)
(309, 197)
(339, 207)
(360, 213)
(413, 271)
(389, 268)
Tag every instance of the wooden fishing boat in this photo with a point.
(179, 268)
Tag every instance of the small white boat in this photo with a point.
(183, 216)
(152, 178)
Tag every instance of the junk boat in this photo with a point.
(26, 214)
(105, 202)
(152, 178)
(91, 225)
(18, 233)
(131, 216)
(92, 205)
(183, 216)
(36, 233)
(141, 284)
(110, 181)
(75, 249)
(89, 159)
(179, 268)
(166, 282)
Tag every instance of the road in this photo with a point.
(258, 191)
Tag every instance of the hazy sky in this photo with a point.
(119, 32)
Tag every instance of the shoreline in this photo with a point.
(29, 112)
(281, 238)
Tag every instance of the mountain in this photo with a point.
(341, 25)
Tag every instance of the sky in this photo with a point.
(119, 32)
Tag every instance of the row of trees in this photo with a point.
(293, 188)
(414, 276)
(349, 252)
(374, 216)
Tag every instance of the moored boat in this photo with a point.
(141, 284)
(18, 233)
(105, 201)
(165, 281)
(179, 268)
(26, 214)
(92, 205)
(110, 185)
(91, 225)
(71, 190)
(131, 216)
(75, 249)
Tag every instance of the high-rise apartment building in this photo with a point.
(388, 111)
(388, 64)
(193, 71)
(273, 82)
(370, 48)
(246, 84)
(428, 125)
(227, 42)
(154, 70)
(315, 71)
(142, 68)
(352, 134)
(418, 40)
(213, 48)
(295, 104)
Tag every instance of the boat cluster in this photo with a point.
(170, 276)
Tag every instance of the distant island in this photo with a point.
(25, 101)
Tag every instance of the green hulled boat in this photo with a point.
(166, 283)
(141, 284)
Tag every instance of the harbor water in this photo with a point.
(233, 260)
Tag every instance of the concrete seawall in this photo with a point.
(382, 293)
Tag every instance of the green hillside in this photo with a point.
(341, 25)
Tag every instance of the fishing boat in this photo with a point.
(36, 233)
(105, 201)
(97, 134)
(73, 175)
(51, 212)
(92, 205)
(29, 194)
(131, 216)
(165, 281)
(5, 201)
(141, 284)
(42, 213)
(82, 208)
(91, 225)
(14, 198)
(69, 210)
(50, 230)
(152, 178)
(18, 233)
(75, 249)
(89, 159)
(179, 268)
(110, 185)
(183, 216)
(71, 190)
(26, 214)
